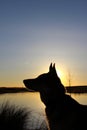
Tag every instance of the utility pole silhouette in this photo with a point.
(69, 80)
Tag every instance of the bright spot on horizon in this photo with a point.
(62, 76)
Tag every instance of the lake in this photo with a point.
(33, 103)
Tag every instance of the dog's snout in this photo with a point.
(25, 82)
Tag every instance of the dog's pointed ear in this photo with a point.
(50, 68)
(54, 68)
(54, 65)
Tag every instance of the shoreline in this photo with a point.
(71, 89)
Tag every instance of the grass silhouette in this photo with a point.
(12, 117)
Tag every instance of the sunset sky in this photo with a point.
(34, 33)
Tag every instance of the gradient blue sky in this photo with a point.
(34, 33)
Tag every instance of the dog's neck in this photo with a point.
(55, 104)
(54, 112)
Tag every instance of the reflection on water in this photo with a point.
(32, 102)
(81, 98)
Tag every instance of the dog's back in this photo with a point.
(63, 112)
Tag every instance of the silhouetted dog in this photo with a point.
(62, 111)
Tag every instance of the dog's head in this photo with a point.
(48, 84)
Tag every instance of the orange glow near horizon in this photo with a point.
(15, 79)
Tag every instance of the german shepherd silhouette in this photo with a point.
(62, 111)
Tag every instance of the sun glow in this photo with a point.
(59, 73)
(62, 76)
